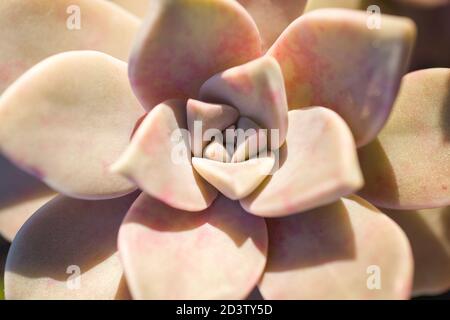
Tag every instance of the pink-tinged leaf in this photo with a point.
(158, 160)
(182, 43)
(139, 8)
(331, 58)
(202, 116)
(346, 250)
(429, 234)
(20, 196)
(219, 253)
(273, 16)
(235, 180)
(407, 167)
(257, 90)
(317, 165)
(34, 30)
(67, 119)
(68, 250)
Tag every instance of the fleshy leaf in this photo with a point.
(207, 116)
(67, 119)
(407, 167)
(219, 253)
(318, 54)
(257, 90)
(158, 160)
(183, 43)
(34, 30)
(317, 165)
(346, 250)
(347, 4)
(139, 8)
(68, 250)
(273, 16)
(20, 196)
(250, 140)
(429, 234)
(216, 151)
(235, 180)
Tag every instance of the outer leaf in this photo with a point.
(67, 119)
(139, 8)
(332, 58)
(34, 30)
(64, 237)
(273, 16)
(20, 196)
(219, 253)
(429, 234)
(337, 252)
(348, 4)
(407, 167)
(175, 53)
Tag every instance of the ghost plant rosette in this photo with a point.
(243, 144)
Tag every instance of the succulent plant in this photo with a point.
(244, 146)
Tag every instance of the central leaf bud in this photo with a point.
(239, 142)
